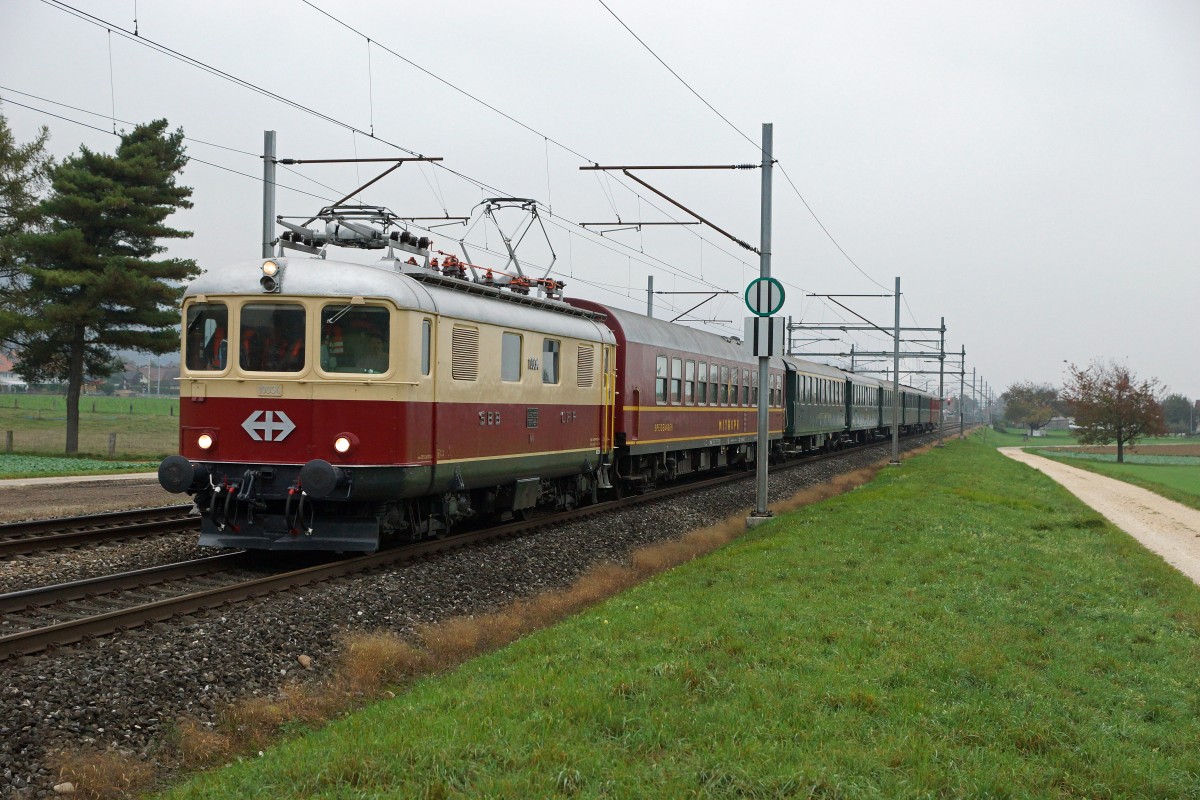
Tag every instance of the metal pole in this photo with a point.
(649, 295)
(962, 406)
(942, 383)
(268, 229)
(896, 381)
(974, 398)
(763, 452)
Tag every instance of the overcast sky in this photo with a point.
(1030, 170)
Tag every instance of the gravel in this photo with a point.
(123, 691)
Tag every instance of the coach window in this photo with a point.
(354, 338)
(714, 373)
(689, 383)
(206, 345)
(702, 384)
(754, 389)
(272, 338)
(660, 380)
(510, 357)
(745, 387)
(676, 380)
(426, 344)
(724, 385)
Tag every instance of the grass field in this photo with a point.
(145, 427)
(961, 627)
(1014, 438)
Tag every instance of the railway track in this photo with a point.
(54, 616)
(23, 538)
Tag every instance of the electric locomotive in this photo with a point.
(330, 405)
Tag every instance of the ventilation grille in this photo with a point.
(464, 352)
(586, 366)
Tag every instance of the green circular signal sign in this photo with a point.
(764, 296)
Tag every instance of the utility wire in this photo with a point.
(122, 121)
(739, 132)
(163, 49)
(189, 157)
(517, 122)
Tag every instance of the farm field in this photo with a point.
(138, 428)
(961, 626)
(1175, 477)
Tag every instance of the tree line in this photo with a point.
(1107, 402)
(82, 271)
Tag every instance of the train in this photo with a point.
(331, 405)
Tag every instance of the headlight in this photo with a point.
(341, 444)
(205, 441)
(272, 275)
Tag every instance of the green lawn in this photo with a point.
(144, 427)
(961, 627)
(1015, 438)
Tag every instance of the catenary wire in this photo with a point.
(91, 19)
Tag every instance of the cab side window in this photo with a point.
(551, 350)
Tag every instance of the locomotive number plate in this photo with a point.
(270, 390)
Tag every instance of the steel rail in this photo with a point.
(22, 538)
(24, 599)
(69, 632)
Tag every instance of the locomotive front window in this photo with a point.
(206, 345)
(271, 338)
(355, 339)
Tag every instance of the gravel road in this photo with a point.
(1162, 526)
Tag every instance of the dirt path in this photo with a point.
(1163, 526)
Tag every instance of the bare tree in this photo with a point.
(1111, 404)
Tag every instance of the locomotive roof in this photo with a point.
(314, 277)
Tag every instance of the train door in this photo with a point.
(636, 413)
(608, 402)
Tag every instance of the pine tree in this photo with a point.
(92, 280)
(23, 177)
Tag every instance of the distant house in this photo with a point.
(10, 381)
(1060, 424)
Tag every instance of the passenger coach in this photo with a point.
(687, 400)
